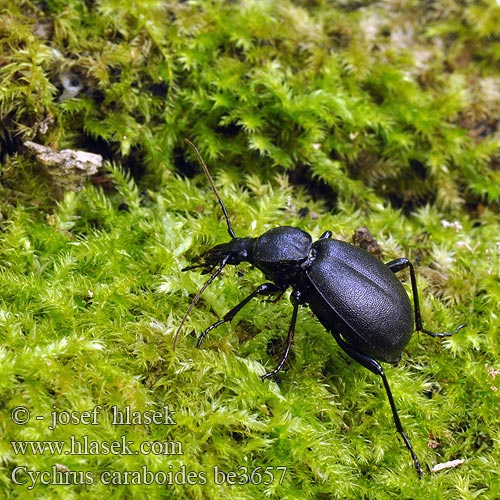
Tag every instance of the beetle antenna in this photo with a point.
(198, 295)
(205, 169)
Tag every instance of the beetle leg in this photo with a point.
(374, 366)
(214, 275)
(398, 265)
(326, 235)
(264, 289)
(295, 297)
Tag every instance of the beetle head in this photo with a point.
(234, 252)
(213, 261)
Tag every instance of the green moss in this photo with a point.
(322, 115)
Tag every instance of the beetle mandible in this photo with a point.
(355, 296)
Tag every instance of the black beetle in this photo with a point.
(354, 295)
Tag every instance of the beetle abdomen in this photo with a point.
(356, 295)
